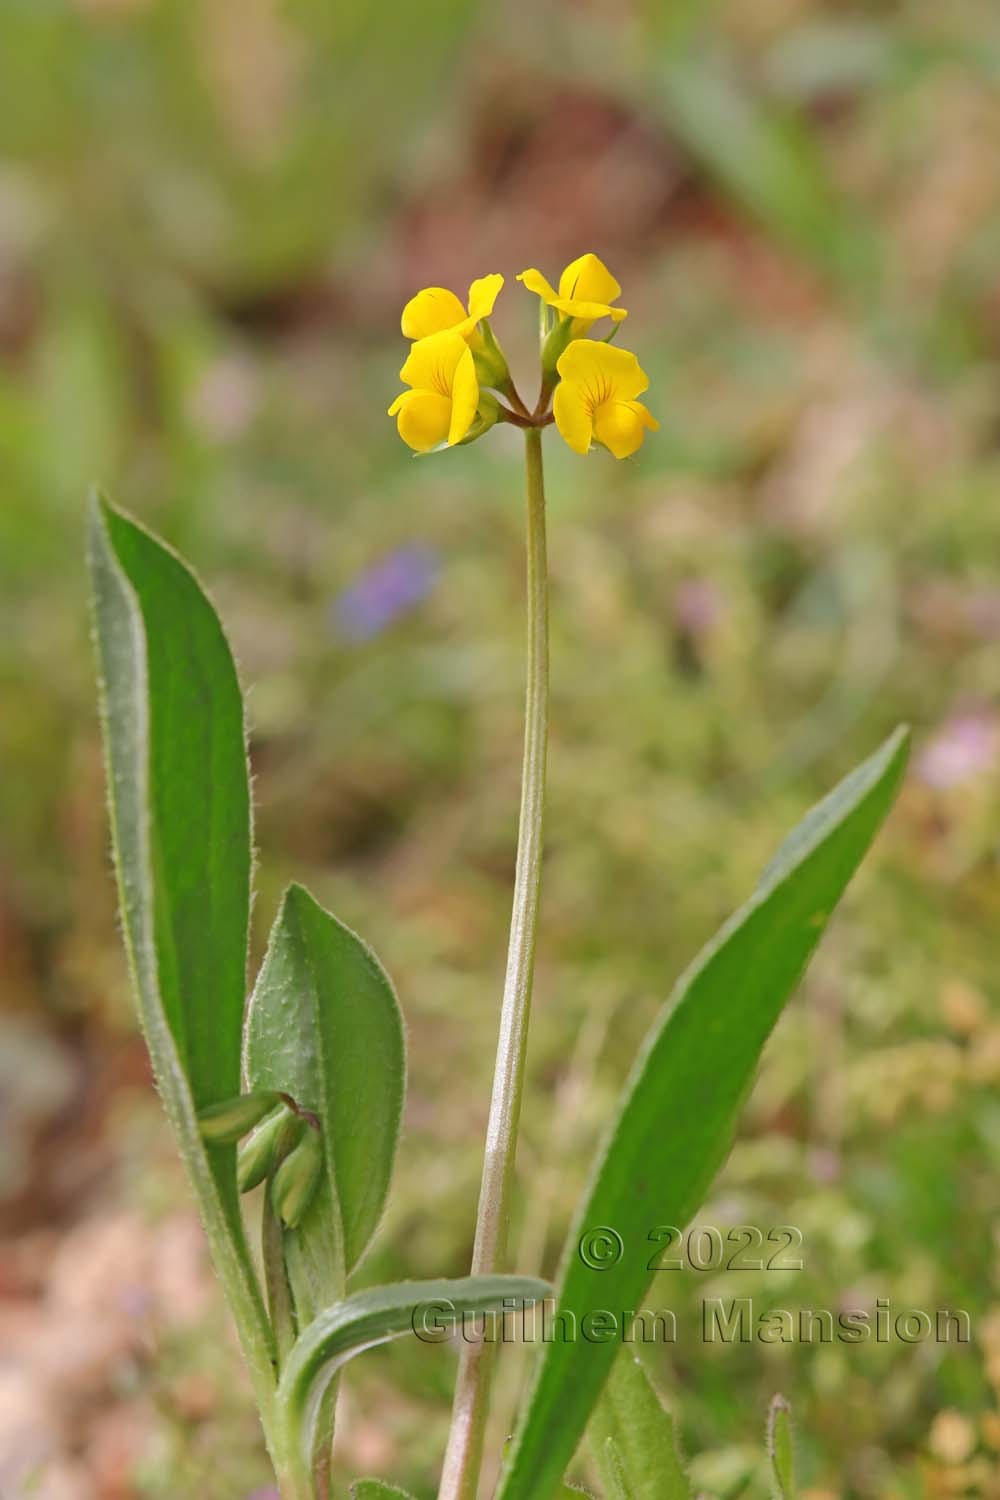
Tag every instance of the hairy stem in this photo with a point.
(463, 1459)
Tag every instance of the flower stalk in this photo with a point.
(463, 1459)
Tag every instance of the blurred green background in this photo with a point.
(210, 216)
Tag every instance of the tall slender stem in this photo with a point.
(463, 1459)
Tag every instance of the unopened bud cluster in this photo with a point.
(283, 1147)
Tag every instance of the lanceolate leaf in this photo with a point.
(180, 815)
(633, 1437)
(681, 1103)
(179, 794)
(431, 1308)
(611, 1467)
(324, 1027)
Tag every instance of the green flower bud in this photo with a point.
(297, 1178)
(257, 1156)
(562, 334)
(224, 1124)
(487, 414)
(489, 359)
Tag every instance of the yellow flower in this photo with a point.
(586, 291)
(596, 398)
(441, 406)
(436, 309)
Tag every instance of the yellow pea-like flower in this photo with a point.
(596, 398)
(441, 406)
(586, 291)
(436, 309)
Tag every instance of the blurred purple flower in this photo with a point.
(963, 748)
(825, 1164)
(698, 605)
(226, 398)
(136, 1301)
(388, 589)
(982, 611)
(268, 1494)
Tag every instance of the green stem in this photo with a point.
(464, 1456)
(279, 1296)
(295, 1482)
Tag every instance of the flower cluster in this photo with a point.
(460, 384)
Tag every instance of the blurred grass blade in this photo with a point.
(681, 1103)
(765, 156)
(781, 1450)
(374, 1489)
(324, 1027)
(633, 1437)
(372, 1317)
(180, 814)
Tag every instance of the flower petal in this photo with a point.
(620, 427)
(431, 363)
(588, 279)
(609, 372)
(572, 414)
(536, 282)
(430, 311)
(483, 295)
(645, 415)
(464, 398)
(588, 312)
(422, 418)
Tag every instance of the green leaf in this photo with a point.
(180, 815)
(634, 1442)
(680, 1106)
(781, 1450)
(324, 1027)
(429, 1308)
(180, 801)
(375, 1489)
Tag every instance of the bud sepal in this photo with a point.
(226, 1123)
(258, 1156)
